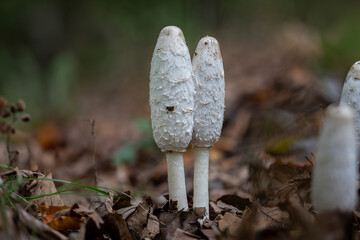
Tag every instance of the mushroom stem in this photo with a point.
(176, 179)
(201, 179)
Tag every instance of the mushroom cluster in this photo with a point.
(187, 106)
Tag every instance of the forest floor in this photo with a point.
(260, 170)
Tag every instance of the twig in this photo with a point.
(92, 123)
(11, 158)
(308, 159)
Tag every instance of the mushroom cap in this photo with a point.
(210, 92)
(171, 91)
(335, 171)
(350, 94)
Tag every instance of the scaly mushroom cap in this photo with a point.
(351, 94)
(335, 171)
(171, 91)
(210, 92)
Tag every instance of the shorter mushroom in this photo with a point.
(334, 185)
(209, 113)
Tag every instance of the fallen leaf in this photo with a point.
(209, 233)
(183, 235)
(199, 212)
(270, 217)
(126, 212)
(152, 228)
(122, 200)
(236, 201)
(41, 229)
(230, 223)
(227, 208)
(81, 212)
(27, 187)
(48, 212)
(47, 187)
(116, 227)
(138, 218)
(171, 222)
(189, 221)
(65, 223)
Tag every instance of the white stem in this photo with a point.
(201, 179)
(176, 179)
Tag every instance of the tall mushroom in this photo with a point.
(172, 105)
(351, 93)
(209, 112)
(334, 185)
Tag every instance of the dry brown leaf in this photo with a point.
(199, 212)
(47, 187)
(301, 218)
(284, 173)
(37, 226)
(122, 201)
(171, 222)
(66, 223)
(152, 228)
(228, 208)
(209, 233)
(183, 235)
(236, 201)
(189, 221)
(138, 219)
(27, 187)
(48, 212)
(270, 217)
(214, 210)
(230, 223)
(80, 211)
(126, 212)
(115, 226)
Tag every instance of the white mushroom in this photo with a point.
(334, 185)
(351, 95)
(209, 112)
(172, 105)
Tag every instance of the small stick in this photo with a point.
(92, 123)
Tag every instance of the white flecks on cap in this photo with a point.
(210, 92)
(171, 91)
(335, 175)
(351, 95)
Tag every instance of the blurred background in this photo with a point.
(77, 61)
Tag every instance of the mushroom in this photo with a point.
(350, 95)
(334, 185)
(172, 105)
(209, 113)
